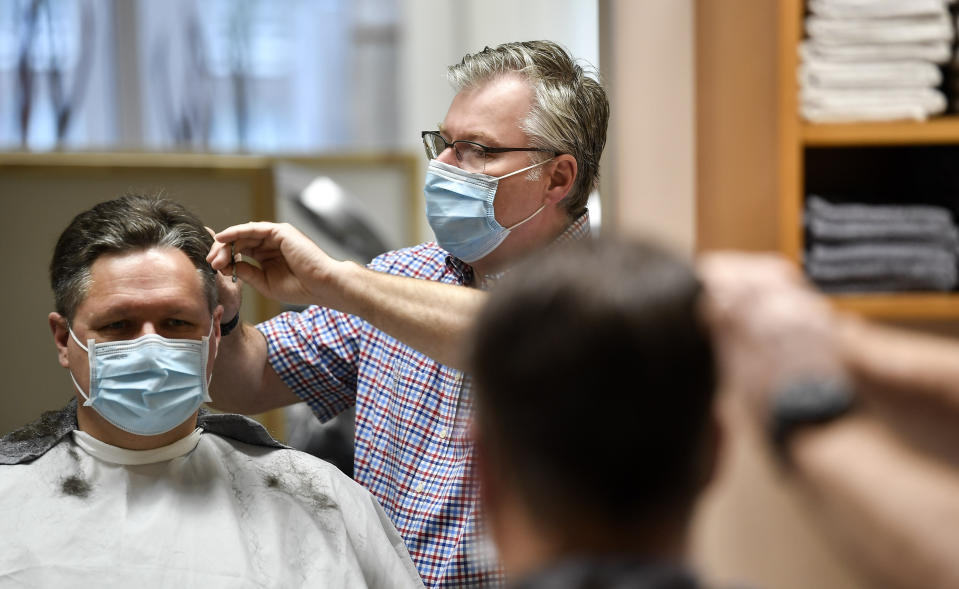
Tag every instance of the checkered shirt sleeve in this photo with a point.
(411, 449)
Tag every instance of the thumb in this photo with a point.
(253, 276)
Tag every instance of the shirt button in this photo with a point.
(419, 487)
(443, 433)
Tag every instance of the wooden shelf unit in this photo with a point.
(936, 131)
(751, 142)
(907, 306)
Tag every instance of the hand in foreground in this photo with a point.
(292, 268)
(770, 326)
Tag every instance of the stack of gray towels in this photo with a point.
(880, 248)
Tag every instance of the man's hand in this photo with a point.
(291, 268)
(770, 326)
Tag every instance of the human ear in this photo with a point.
(562, 175)
(215, 337)
(61, 336)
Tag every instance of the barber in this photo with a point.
(510, 171)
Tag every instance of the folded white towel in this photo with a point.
(939, 52)
(863, 114)
(876, 8)
(892, 30)
(895, 74)
(931, 101)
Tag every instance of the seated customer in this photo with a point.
(127, 486)
(594, 382)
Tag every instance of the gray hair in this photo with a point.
(570, 110)
(129, 223)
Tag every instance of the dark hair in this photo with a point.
(594, 379)
(129, 223)
(570, 110)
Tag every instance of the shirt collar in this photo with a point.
(116, 455)
(577, 230)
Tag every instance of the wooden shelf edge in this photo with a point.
(130, 159)
(173, 159)
(941, 130)
(924, 306)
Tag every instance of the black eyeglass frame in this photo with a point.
(484, 148)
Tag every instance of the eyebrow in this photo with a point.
(476, 137)
(135, 309)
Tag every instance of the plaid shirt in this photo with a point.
(412, 449)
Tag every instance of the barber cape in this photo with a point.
(226, 506)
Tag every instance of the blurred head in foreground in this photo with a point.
(594, 380)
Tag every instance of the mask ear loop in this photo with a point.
(526, 168)
(540, 209)
(536, 212)
(74, 336)
(204, 361)
(87, 401)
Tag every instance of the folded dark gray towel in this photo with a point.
(876, 286)
(895, 254)
(897, 274)
(819, 208)
(874, 248)
(908, 266)
(894, 231)
(943, 276)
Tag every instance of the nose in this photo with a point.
(448, 156)
(148, 328)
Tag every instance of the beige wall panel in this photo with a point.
(648, 171)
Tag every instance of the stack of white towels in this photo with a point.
(880, 248)
(874, 60)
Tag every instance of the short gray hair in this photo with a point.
(129, 223)
(570, 109)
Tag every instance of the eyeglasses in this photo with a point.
(470, 156)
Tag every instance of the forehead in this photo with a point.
(493, 111)
(142, 280)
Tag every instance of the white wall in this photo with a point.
(437, 33)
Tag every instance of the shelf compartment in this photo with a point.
(935, 131)
(937, 306)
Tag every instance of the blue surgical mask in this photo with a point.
(149, 385)
(459, 207)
